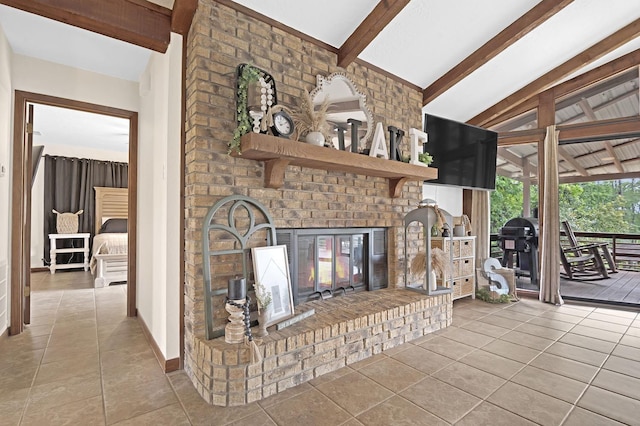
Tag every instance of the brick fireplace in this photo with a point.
(335, 336)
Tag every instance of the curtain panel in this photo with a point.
(68, 187)
(550, 238)
(480, 223)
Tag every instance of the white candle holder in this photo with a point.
(235, 329)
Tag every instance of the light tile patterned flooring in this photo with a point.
(81, 362)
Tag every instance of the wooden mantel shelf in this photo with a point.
(278, 153)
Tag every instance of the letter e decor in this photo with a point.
(418, 139)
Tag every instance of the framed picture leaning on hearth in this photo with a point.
(271, 270)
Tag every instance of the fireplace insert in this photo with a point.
(326, 262)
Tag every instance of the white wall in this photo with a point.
(159, 198)
(447, 197)
(37, 192)
(37, 76)
(6, 118)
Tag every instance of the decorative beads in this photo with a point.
(266, 95)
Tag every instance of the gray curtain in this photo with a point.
(550, 238)
(69, 186)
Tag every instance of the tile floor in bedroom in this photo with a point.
(82, 362)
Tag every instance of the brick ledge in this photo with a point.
(344, 330)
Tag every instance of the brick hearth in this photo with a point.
(344, 330)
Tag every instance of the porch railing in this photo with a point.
(625, 248)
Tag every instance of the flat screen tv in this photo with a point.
(464, 155)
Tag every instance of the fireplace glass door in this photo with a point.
(326, 262)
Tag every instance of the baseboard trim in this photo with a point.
(40, 269)
(5, 334)
(172, 364)
(166, 365)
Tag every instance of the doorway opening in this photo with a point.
(21, 244)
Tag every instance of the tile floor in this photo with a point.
(82, 362)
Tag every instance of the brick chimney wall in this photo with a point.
(221, 39)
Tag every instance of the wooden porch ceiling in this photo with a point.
(592, 147)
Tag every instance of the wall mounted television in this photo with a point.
(464, 155)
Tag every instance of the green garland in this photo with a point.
(425, 158)
(246, 77)
(484, 294)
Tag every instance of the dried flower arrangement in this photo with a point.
(439, 263)
(311, 119)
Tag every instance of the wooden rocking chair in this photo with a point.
(603, 248)
(581, 262)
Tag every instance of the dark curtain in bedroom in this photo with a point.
(69, 186)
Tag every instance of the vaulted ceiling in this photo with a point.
(485, 63)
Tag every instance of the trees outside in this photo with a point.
(611, 206)
(629, 189)
(506, 202)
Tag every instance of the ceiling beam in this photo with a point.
(182, 16)
(547, 80)
(621, 69)
(617, 128)
(380, 16)
(592, 177)
(569, 159)
(598, 88)
(137, 22)
(595, 178)
(574, 179)
(599, 151)
(610, 102)
(591, 115)
(510, 157)
(526, 112)
(510, 175)
(612, 152)
(505, 38)
(521, 137)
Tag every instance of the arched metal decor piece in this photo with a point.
(425, 215)
(233, 203)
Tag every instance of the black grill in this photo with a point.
(518, 239)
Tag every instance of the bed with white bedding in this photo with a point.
(109, 258)
(109, 261)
